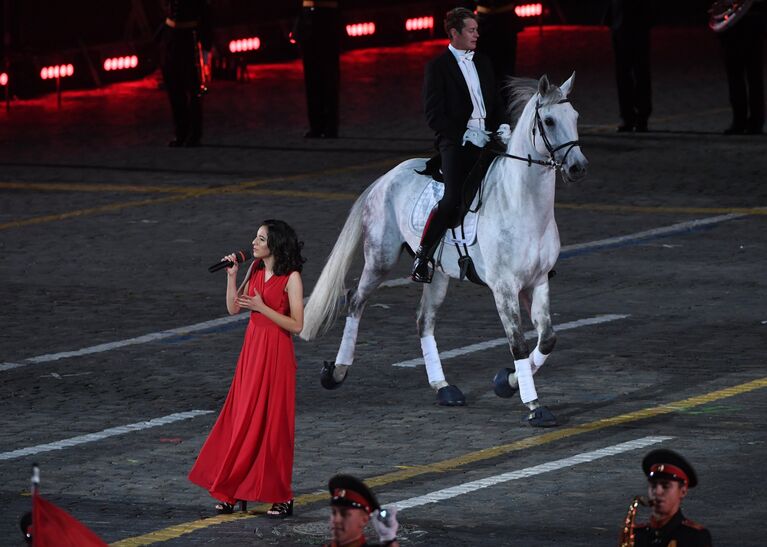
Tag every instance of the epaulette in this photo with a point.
(693, 524)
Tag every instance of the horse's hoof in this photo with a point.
(450, 396)
(326, 376)
(501, 383)
(541, 417)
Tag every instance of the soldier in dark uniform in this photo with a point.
(669, 476)
(187, 22)
(318, 32)
(498, 29)
(352, 506)
(743, 46)
(630, 22)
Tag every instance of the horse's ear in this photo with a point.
(567, 87)
(543, 85)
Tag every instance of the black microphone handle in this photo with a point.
(220, 266)
(242, 256)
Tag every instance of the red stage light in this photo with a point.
(529, 10)
(58, 71)
(361, 29)
(245, 44)
(419, 23)
(121, 63)
(3, 78)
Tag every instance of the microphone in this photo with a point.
(242, 256)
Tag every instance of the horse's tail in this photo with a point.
(325, 302)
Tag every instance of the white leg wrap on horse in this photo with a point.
(431, 359)
(537, 359)
(525, 378)
(346, 350)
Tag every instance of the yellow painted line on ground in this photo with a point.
(330, 196)
(451, 464)
(100, 188)
(196, 193)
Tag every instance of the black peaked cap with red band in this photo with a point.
(667, 464)
(348, 491)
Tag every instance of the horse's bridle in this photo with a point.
(552, 162)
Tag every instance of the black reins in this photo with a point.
(552, 161)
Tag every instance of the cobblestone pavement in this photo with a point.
(105, 235)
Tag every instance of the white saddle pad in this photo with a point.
(426, 202)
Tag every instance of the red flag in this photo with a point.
(54, 527)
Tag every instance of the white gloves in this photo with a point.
(477, 137)
(385, 523)
(504, 133)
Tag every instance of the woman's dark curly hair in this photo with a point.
(285, 248)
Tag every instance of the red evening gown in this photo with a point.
(249, 452)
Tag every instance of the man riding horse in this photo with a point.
(463, 108)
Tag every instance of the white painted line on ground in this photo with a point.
(151, 337)
(99, 435)
(649, 234)
(180, 331)
(481, 346)
(556, 465)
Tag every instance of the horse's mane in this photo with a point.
(520, 90)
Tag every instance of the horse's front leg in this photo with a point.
(536, 302)
(507, 302)
(541, 317)
(431, 299)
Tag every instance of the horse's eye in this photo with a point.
(549, 121)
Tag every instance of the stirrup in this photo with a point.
(280, 510)
(422, 262)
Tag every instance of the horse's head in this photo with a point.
(555, 128)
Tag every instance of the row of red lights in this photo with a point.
(254, 43)
(245, 44)
(121, 63)
(58, 71)
(419, 23)
(529, 10)
(361, 29)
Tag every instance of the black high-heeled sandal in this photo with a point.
(280, 510)
(224, 508)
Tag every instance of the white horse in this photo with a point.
(517, 245)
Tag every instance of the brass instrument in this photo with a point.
(723, 14)
(203, 69)
(627, 533)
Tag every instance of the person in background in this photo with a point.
(630, 22)
(186, 28)
(318, 33)
(743, 46)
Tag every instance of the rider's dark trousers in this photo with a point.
(457, 162)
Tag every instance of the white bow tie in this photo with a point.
(468, 56)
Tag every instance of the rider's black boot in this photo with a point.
(421, 271)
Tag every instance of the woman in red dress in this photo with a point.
(249, 452)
